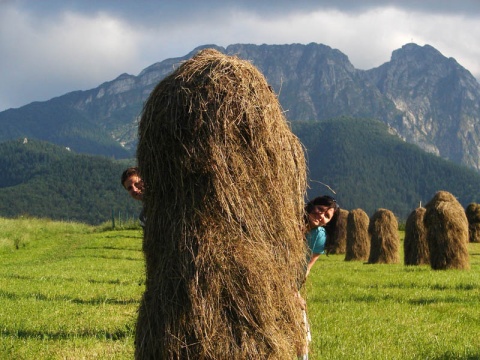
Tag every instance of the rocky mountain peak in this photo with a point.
(412, 51)
(424, 97)
(439, 101)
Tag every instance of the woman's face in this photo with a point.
(320, 216)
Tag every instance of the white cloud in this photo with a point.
(49, 51)
(70, 53)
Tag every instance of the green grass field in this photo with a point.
(71, 291)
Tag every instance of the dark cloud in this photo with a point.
(58, 46)
(156, 11)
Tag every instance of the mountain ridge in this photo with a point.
(44, 180)
(353, 158)
(425, 99)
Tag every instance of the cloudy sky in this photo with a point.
(51, 47)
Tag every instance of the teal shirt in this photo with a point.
(316, 239)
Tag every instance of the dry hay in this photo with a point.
(447, 232)
(415, 243)
(223, 244)
(358, 239)
(339, 242)
(384, 238)
(473, 216)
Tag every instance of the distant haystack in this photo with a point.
(473, 216)
(223, 243)
(384, 238)
(415, 243)
(447, 232)
(358, 240)
(338, 244)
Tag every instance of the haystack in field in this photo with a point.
(339, 242)
(447, 232)
(415, 243)
(358, 239)
(223, 243)
(384, 238)
(473, 216)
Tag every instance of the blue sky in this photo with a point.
(51, 47)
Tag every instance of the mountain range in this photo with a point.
(357, 161)
(423, 97)
(387, 137)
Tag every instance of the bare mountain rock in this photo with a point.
(425, 98)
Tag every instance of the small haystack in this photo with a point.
(384, 238)
(338, 244)
(473, 216)
(223, 244)
(447, 232)
(415, 243)
(358, 239)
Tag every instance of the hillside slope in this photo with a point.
(44, 180)
(425, 98)
(366, 166)
(369, 168)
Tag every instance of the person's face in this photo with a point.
(320, 216)
(134, 186)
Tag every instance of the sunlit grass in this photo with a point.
(361, 311)
(71, 291)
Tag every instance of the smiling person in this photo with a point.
(321, 215)
(133, 183)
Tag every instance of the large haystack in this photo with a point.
(447, 232)
(473, 216)
(338, 244)
(415, 243)
(223, 244)
(358, 239)
(384, 238)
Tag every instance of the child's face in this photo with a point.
(134, 186)
(320, 216)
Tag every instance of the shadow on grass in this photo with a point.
(61, 279)
(111, 248)
(122, 237)
(108, 257)
(114, 282)
(62, 335)
(453, 356)
(92, 301)
(375, 298)
(425, 301)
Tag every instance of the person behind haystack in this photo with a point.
(321, 218)
(133, 183)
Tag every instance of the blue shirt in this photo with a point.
(316, 239)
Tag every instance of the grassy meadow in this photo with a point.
(71, 291)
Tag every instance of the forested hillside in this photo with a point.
(44, 180)
(368, 168)
(425, 98)
(63, 124)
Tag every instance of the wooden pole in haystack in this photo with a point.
(384, 238)
(358, 239)
(415, 244)
(223, 243)
(473, 216)
(447, 232)
(338, 244)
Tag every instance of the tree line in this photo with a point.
(355, 160)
